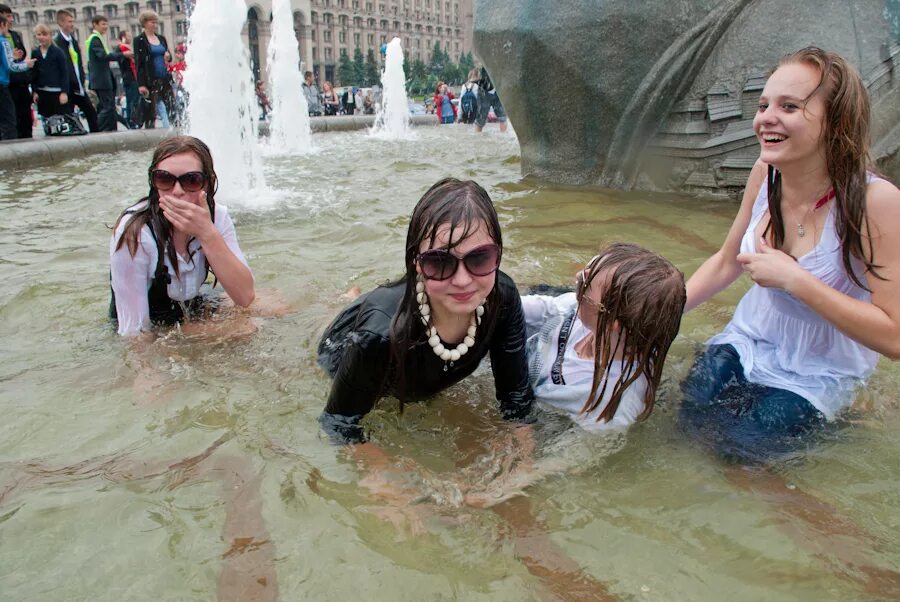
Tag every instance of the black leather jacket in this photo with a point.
(355, 351)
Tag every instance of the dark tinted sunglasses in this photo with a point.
(191, 181)
(441, 264)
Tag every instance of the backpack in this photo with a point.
(65, 124)
(467, 103)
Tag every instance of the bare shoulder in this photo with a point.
(883, 209)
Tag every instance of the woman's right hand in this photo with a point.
(63, 98)
(143, 91)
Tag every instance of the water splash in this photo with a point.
(392, 120)
(222, 109)
(289, 129)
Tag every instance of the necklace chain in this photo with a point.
(801, 230)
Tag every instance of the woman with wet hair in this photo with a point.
(164, 246)
(431, 328)
(597, 354)
(819, 234)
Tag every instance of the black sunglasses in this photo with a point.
(441, 264)
(191, 181)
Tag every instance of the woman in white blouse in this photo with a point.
(164, 246)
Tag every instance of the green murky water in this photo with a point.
(174, 471)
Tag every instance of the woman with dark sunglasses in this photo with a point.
(430, 329)
(164, 246)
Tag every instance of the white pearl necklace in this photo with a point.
(448, 355)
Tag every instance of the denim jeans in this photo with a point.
(740, 420)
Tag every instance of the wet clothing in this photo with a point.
(560, 377)
(782, 343)
(740, 420)
(778, 369)
(145, 288)
(488, 99)
(355, 351)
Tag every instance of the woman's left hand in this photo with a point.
(772, 268)
(188, 217)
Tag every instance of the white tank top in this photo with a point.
(783, 343)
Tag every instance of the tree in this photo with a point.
(345, 70)
(371, 73)
(359, 67)
(438, 59)
(466, 63)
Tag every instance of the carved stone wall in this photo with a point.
(660, 94)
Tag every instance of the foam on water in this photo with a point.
(289, 131)
(392, 120)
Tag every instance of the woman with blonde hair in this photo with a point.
(151, 58)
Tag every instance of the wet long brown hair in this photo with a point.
(463, 206)
(845, 140)
(151, 214)
(643, 298)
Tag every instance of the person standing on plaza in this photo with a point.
(129, 79)
(77, 93)
(330, 99)
(311, 92)
(487, 99)
(50, 76)
(7, 65)
(18, 80)
(101, 78)
(151, 56)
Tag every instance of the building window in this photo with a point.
(89, 12)
(342, 37)
(315, 54)
(132, 8)
(312, 35)
(181, 28)
(327, 35)
(327, 53)
(370, 38)
(356, 40)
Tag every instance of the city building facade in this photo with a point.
(325, 28)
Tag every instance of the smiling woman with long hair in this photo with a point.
(164, 246)
(819, 234)
(430, 329)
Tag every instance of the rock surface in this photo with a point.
(659, 94)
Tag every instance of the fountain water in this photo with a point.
(392, 120)
(222, 109)
(289, 131)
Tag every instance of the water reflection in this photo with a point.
(113, 487)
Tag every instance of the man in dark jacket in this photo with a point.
(101, 77)
(18, 81)
(65, 39)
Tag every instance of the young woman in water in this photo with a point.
(164, 246)
(819, 235)
(430, 329)
(597, 354)
(443, 104)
